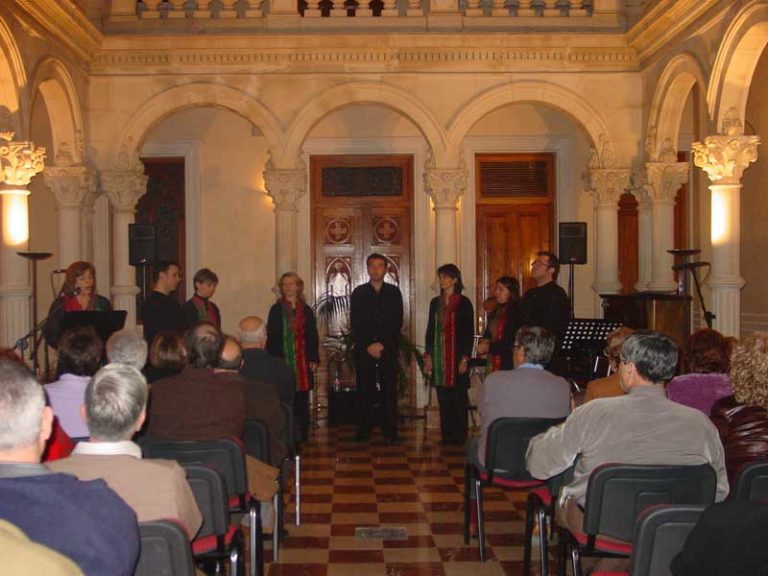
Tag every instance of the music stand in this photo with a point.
(105, 322)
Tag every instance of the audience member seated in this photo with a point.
(261, 400)
(742, 419)
(527, 391)
(167, 356)
(642, 427)
(707, 378)
(79, 358)
(115, 408)
(258, 365)
(85, 521)
(127, 347)
(24, 558)
(609, 386)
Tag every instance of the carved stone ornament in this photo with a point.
(724, 157)
(607, 185)
(124, 188)
(70, 184)
(445, 186)
(602, 156)
(285, 187)
(667, 152)
(664, 179)
(20, 161)
(650, 142)
(128, 159)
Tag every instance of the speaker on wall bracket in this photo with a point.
(142, 244)
(573, 242)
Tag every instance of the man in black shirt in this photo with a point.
(376, 318)
(161, 311)
(546, 304)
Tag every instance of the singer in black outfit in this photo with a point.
(78, 293)
(376, 311)
(161, 311)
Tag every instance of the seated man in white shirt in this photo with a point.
(642, 427)
(114, 409)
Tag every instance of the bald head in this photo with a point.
(231, 354)
(252, 332)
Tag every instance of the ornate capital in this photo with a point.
(124, 188)
(285, 187)
(445, 186)
(725, 157)
(664, 179)
(70, 184)
(602, 155)
(19, 161)
(608, 184)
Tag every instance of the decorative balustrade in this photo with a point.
(515, 12)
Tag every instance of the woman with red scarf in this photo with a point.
(499, 335)
(292, 335)
(448, 344)
(78, 293)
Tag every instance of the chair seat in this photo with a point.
(500, 480)
(210, 543)
(608, 545)
(543, 493)
(234, 501)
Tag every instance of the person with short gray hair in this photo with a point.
(127, 347)
(115, 409)
(260, 366)
(85, 521)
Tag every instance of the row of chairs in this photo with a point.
(625, 503)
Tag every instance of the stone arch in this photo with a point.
(53, 83)
(677, 80)
(358, 93)
(736, 60)
(13, 80)
(196, 95)
(534, 92)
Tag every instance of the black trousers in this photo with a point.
(301, 415)
(453, 411)
(370, 372)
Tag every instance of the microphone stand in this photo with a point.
(23, 343)
(708, 316)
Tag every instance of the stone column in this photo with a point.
(70, 185)
(445, 187)
(285, 187)
(19, 162)
(663, 181)
(724, 158)
(608, 184)
(123, 188)
(644, 238)
(87, 212)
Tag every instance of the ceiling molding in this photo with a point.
(65, 22)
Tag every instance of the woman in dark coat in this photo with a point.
(292, 335)
(448, 344)
(499, 335)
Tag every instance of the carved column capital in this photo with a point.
(608, 184)
(664, 180)
(124, 188)
(285, 187)
(445, 186)
(724, 157)
(70, 184)
(19, 161)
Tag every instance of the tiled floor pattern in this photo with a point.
(417, 485)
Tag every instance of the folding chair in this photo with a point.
(218, 538)
(751, 482)
(506, 446)
(617, 494)
(225, 456)
(165, 550)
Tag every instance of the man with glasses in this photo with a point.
(546, 304)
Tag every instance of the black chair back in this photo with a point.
(211, 496)
(751, 482)
(256, 439)
(225, 456)
(660, 534)
(165, 550)
(618, 493)
(507, 443)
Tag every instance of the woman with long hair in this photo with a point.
(448, 348)
(78, 293)
(292, 335)
(499, 335)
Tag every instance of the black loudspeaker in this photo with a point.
(142, 244)
(573, 242)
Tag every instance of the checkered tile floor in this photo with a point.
(417, 485)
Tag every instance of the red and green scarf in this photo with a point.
(72, 304)
(205, 312)
(497, 333)
(294, 343)
(444, 346)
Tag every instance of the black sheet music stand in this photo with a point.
(583, 342)
(105, 322)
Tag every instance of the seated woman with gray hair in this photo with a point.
(127, 347)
